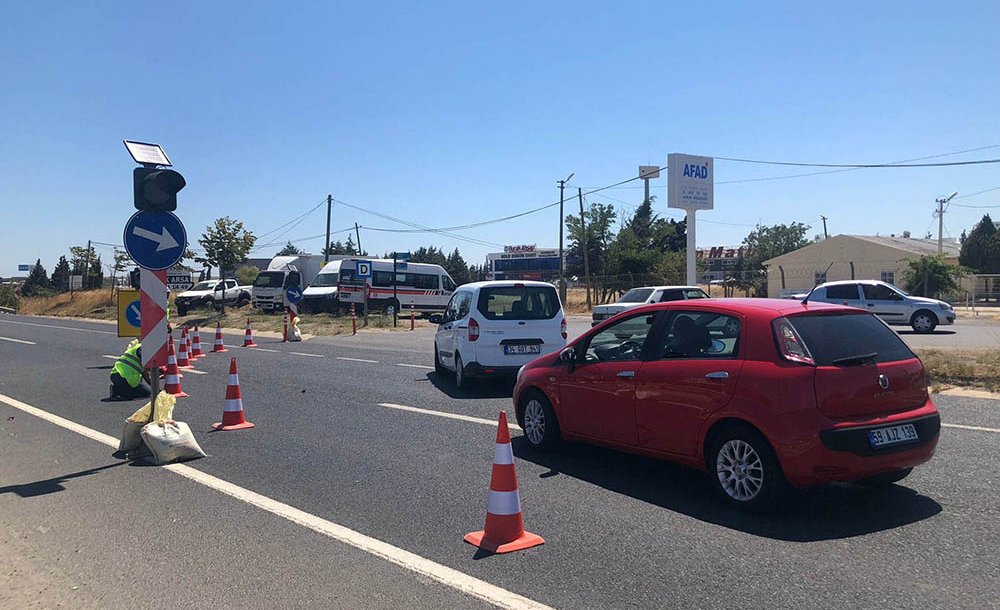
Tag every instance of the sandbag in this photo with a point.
(170, 441)
(131, 434)
(295, 334)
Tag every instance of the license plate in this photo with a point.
(521, 350)
(881, 437)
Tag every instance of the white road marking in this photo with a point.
(258, 349)
(416, 366)
(82, 330)
(305, 354)
(357, 360)
(979, 428)
(449, 577)
(181, 370)
(468, 418)
(18, 341)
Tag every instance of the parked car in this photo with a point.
(761, 393)
(490, 329)
(887, 302)
(211, 293)
(283, 272)
(644, 296)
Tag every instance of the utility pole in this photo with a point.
(357, 232)
(940, 216)
(825, 234)
(562, 277)
(586, 253)
(326, 248)
(86, 271)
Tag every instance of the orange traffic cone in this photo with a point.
(172, 383)
(183, 362)
(219, 346)
(504, 523)
(248, 336)
(196, 344)
(232, 408)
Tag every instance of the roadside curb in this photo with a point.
(967, 393)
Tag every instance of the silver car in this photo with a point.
(887, 302)
(644, 296)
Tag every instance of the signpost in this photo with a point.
(363, 269)
(24, 267)
(396, 257)
(690, 187)
(156, 240)
(75, 282)
(129, 313)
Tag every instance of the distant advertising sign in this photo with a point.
(23, 267)
(75, 282)
(690, 182)
(519, 249)
(179, 281)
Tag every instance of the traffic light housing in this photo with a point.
(156, 189)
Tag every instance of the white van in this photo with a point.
(424, 287)
(493, 328)
(321, 295)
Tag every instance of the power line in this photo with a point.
(859, 165)
(416, 226)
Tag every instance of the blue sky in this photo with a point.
(453, 112)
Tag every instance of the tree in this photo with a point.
(226, 245)
(289, 250)
(981, 248)
(59, 280)
(37, 283)
(121, 261)
(87, 263)
(930, 276)
(246, 274)
(457, 268)
(431, 255)
(764, 243)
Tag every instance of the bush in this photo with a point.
(246, 274)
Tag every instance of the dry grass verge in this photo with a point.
(969, 368)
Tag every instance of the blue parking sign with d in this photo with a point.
(363, 269)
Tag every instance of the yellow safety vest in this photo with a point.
(129, 366)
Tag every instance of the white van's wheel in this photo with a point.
(461, 381)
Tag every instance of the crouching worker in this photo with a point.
(128, 378)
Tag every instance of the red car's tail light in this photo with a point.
(562, 328)
(473, 329)
(790, 343)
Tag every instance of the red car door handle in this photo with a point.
(717, 375)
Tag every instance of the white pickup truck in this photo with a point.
(212, 293)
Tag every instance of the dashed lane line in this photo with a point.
(255, 348)
(82, 330)
(357, 359)
(307, 354)
(18, 341)
(964, 427)
(416, 366)
(422, 566)
(468, 418)
(182, 370)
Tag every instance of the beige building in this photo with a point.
(847, 257)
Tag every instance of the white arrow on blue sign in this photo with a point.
(293, 294)
(155, 240)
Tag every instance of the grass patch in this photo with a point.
(968, 368)
(81, 304)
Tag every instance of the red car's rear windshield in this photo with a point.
(832, 339)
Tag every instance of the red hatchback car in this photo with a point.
(759, 392)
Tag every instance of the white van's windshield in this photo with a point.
(518, 302)
(326, 279)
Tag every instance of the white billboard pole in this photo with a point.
(690, 187)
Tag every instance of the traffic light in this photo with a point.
(156, 189)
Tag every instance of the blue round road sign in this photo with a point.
(132, 314)
(155, 240)
(293, 294)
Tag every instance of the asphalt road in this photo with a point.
(82, 529)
